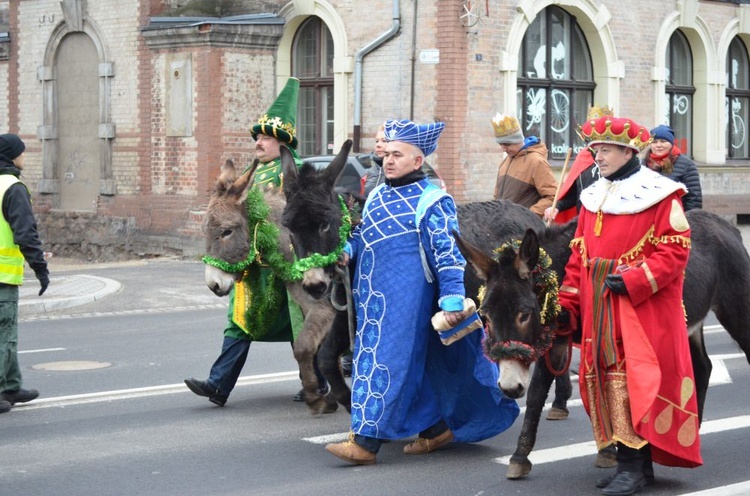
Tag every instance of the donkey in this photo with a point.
(229, 238)
(313, 216)
(717, 279)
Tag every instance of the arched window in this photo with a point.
(312, 63)
(679, 88)
(738, 100)
(555, 81)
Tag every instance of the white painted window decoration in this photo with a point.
(678, 110)
(737, 104)
(555, 81)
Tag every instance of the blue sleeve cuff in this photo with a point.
(452, 304)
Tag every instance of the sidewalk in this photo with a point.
(64, 292)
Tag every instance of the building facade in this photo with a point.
(129, 108)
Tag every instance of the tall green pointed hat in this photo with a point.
(280, 120)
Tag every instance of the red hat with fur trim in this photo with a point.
(616, 131)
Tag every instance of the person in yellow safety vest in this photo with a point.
(19, 241)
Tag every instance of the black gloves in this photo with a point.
(616, 284)
(43, 277)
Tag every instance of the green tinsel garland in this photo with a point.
(265, 300)
(264, 252)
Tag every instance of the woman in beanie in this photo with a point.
(665, 157)
(19, 242)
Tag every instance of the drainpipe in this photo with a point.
(395, 26)
(413, 60)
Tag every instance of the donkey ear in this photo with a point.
(337, 164)
(227, 176)
(481, 263)
(243, 183)
(528, 254)
(289, 168)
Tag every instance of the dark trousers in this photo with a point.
(227, 368)
(10, 373)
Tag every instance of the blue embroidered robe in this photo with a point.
(404, 379)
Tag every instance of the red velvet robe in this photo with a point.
(641, 223)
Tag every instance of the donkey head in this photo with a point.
(510, 308)
(313, 214)
(226, 225)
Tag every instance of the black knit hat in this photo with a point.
(11, 146)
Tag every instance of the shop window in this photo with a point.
(737, 103)
(678, 111)
(555, 81)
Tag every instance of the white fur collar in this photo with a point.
(634, 194)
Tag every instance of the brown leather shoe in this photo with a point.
(422, 445)
(351, 452)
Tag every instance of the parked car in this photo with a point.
(352, 178)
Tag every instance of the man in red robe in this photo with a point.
(623, 289)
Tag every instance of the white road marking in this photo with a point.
(719, 372)
(329, 438)
(589, 448)
(121, 394)
(42, 350)
(141, 311)
(739, 489)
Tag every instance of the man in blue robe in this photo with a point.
(408, 267)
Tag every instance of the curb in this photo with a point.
(104, 287)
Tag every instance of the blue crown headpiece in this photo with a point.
(423, 136)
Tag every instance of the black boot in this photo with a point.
(648, 470)
(629, 477)
(648, 465)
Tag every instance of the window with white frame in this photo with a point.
(678, 109)
(555, 81)
(737, 102)
(312, 64)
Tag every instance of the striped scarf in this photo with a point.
(605, 348)
(604, 335)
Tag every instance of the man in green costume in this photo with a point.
(275, 127)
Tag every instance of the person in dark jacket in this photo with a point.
(666, 158)
(19, 242)
(375, 173)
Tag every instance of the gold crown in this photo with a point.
(505, 125)
(595, 112)
(616, 130)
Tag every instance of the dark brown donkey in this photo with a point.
(229, 239)
(717, 278)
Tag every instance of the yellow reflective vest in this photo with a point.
(11, 258)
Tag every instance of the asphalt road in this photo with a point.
(115, 418)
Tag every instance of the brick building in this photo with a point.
(128, 108)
